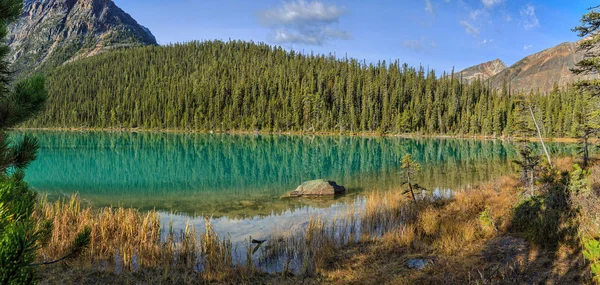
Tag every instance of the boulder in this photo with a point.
(418, 264)
(318, 188)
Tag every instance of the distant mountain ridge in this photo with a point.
(483, 71)
(539, 71)
(52, 32)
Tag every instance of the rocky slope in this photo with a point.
(52, 32)
(537, 72)
(483, 71)
(542, 70)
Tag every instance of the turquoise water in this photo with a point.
(238, 176)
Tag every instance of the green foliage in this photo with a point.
(18, 233)
(410, 168)
(545, 221)
(486, 219)
(18, 230)
(592, 254)
(589, 31)
(589, 89)
(521, 125)
(246, 86)
(548, 219)
(24, 101)
(82, 241)
(529, 165)
(578, 182)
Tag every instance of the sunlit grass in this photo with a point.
(126, 241)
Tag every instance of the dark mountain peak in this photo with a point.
(52, 32)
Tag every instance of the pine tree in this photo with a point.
(20, 234)
(530, 166)
(590, 25)
(410, 168)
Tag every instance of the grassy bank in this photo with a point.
(488, 234)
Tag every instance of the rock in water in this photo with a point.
(318, 188)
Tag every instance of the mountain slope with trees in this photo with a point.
(51, 32)
(220, 86)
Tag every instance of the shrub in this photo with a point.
(592, 254)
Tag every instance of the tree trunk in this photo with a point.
(411, 191)
(586, 154)
(531, 184)
(540, 136)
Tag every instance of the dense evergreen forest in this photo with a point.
(240, 85)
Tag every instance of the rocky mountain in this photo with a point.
(542, 70)
(483, 71)
(52, 32)
(538, 71)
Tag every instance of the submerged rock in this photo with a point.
(418, 264)
(318, 188)
(247, 203)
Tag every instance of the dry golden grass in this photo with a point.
(565, 163)
(429, 221)
(126, 242)
(466, 246)
(391, 230)
(369, 245)
(115, 232)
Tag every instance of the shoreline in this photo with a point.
(389, 227)
(301, 133)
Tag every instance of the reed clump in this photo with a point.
(129, 241)
(125, 237)
(450, 226)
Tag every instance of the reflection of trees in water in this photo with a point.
(170, 165)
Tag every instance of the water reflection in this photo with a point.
(244, 175)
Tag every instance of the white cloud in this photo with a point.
(301, 11)
(491, 3)
(530, 20)
(469, 29)
(526, 47)
(429, 7)
(304, 22)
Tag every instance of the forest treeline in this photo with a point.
(246, 86)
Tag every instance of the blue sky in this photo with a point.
(441, 34)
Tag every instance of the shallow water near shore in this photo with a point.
(238, 179)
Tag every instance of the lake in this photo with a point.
(239, 179)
